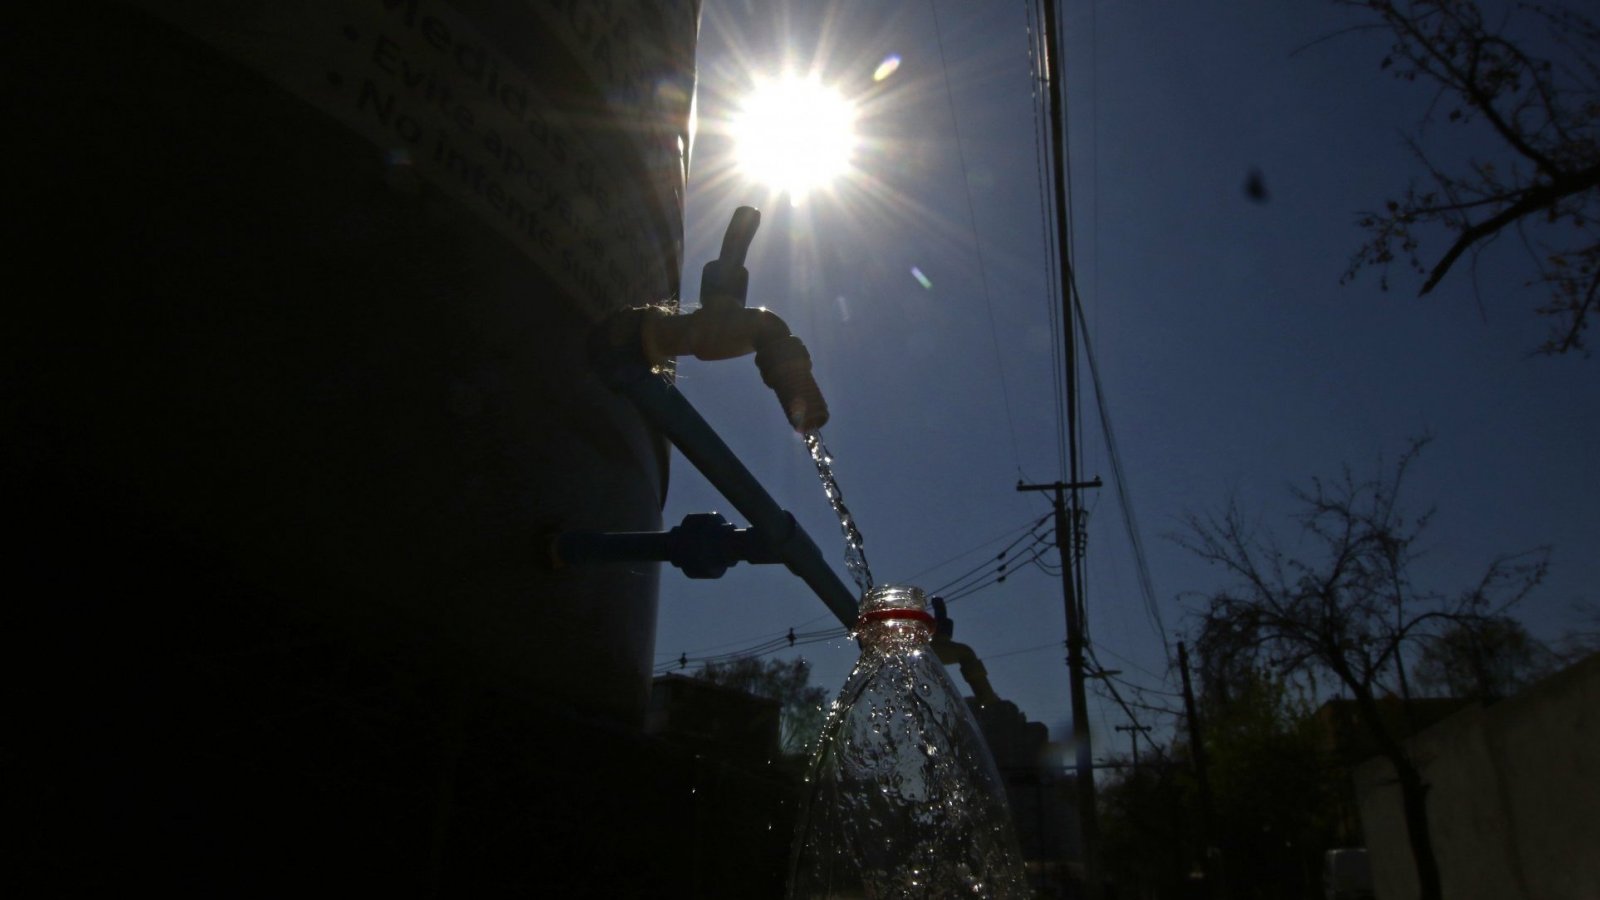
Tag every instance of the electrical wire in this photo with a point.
(1119, 478)
(977, 245)
(992, 577)
(1109, 684)
(1065, 280)
(770, 642)
(685, 661)
(1128, 662)
(985, 578)
(1029, 526)
(958, 583)
(991, 657)
(1038, 48)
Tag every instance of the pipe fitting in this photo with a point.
(723, 328)
(709, 334)
(725, 333)
(786, 368)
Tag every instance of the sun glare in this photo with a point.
(794, 135)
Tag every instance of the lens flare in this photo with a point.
(794, 135)
(887, 67)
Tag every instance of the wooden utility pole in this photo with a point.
(1072, 583)
(1067, 542)
(1133, 738)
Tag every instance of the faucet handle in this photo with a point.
(725, 282)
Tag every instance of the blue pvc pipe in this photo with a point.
(671, 413)
(704, 546)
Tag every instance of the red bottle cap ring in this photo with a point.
(878, 615)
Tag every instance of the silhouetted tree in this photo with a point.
(1583, 639)
(787, 681)
(1484, 660)
(1273, 787)
(1146, 815)
(1543, 109)
(1273, 797)
(1345, 604)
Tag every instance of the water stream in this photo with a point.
(855, 558)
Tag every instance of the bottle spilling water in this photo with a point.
(902, 799)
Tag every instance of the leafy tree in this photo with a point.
(1145, 832)
(1346, 605)
(1543, 110)
(1273, 786)
(787, 681)
(1485, 660)
(1273, 789)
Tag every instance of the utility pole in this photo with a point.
(1133, 738)
(1067, 538)
(1067, 543)
(1197, 751)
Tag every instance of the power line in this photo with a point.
(1119, 476)
(1001, 573)
(991, 657)
(1129, 662)
(957, 584)
(977, 245)
(1127, 708)
(1029, 526)
(684, 661)
(1038, 51)
(772, 642)
(791, 638)
(1037, 48)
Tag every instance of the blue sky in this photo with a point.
(1234, 363)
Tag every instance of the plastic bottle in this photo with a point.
(902, 798)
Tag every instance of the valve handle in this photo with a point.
(725, 282)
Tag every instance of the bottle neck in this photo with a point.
(879, 615)
(892, 630)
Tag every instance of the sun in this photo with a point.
(794, 135)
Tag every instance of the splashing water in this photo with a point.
(855, 557)
(902, 800)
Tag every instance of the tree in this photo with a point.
(787, 681)
(1484, 660)
(1274, 800)
(1273, 786)
(1347, 605)
(1146, 826)
(1583, 639)
(1543, 112)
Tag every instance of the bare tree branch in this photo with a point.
(1528, 202)
(1544, 110)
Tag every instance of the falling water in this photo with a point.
(855, 558)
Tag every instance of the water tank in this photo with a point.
(297, 381)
